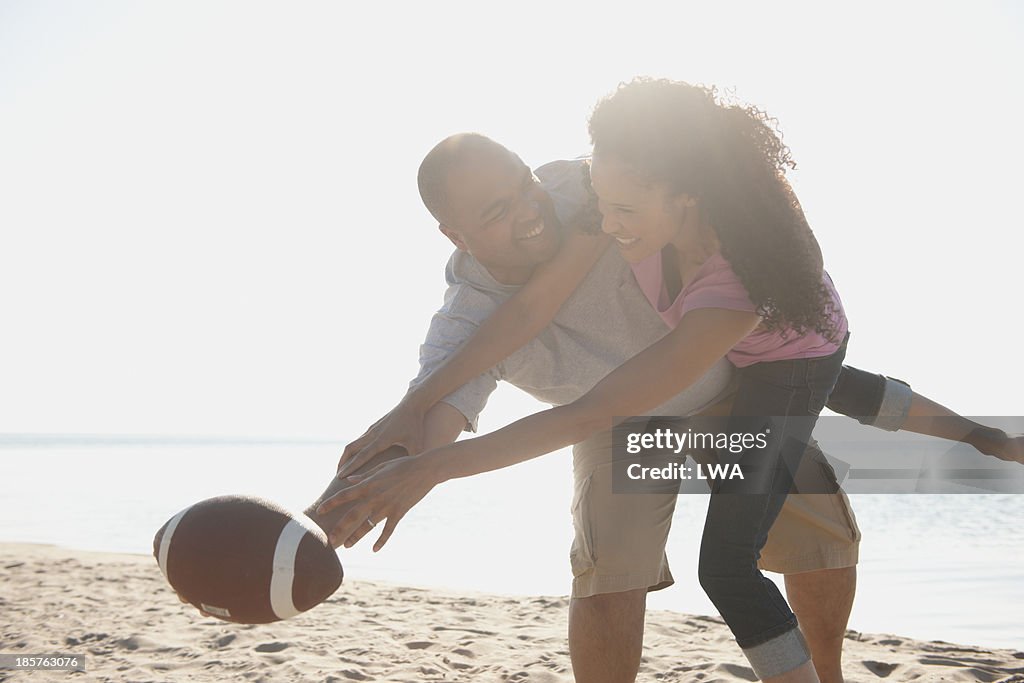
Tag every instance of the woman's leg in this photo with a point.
(781, 400)
(735, 530)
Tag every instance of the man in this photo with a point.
(503, 224)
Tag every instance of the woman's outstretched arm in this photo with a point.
(642, 383)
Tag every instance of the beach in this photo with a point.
(227, 259)
(118, 612)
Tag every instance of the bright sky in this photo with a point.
(209, 221)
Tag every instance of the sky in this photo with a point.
(209, 221)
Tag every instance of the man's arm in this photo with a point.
(508, 328)
(441, 426)
(871, 399)
(465, 307)
(892, 405)
(928, 417)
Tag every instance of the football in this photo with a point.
(247, 560)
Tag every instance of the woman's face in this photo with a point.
(642, 217)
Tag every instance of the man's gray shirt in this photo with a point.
(604, 323)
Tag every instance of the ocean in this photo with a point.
(934, 567)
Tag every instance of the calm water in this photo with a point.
(932, 567)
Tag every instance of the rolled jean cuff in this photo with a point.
(896, 398)
(782, 653)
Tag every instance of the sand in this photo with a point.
(119, 613)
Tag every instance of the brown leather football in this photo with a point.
(247, 560)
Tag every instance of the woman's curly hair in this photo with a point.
(731, 158)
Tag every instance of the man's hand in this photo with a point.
(402, 426)
(327, 522)
(997, 443)
(388, 491)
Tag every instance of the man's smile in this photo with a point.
(533, 232)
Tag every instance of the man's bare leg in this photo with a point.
(822, 601)
(606, 636)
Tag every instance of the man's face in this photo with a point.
(499, 213)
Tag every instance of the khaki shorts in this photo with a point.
(620, 538)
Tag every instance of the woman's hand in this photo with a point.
(388, 491)
(402, 426)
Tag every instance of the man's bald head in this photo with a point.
(451, 153)
(490, 205)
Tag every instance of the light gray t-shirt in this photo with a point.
(604, 323)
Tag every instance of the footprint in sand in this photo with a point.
(880, 669)
(744, 673)
(272, 647)
(226, 640)
(983, 675)
(133, 643)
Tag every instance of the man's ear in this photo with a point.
(453, 235)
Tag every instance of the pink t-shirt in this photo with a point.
(716, 286)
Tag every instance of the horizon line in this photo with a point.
(44, 439)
